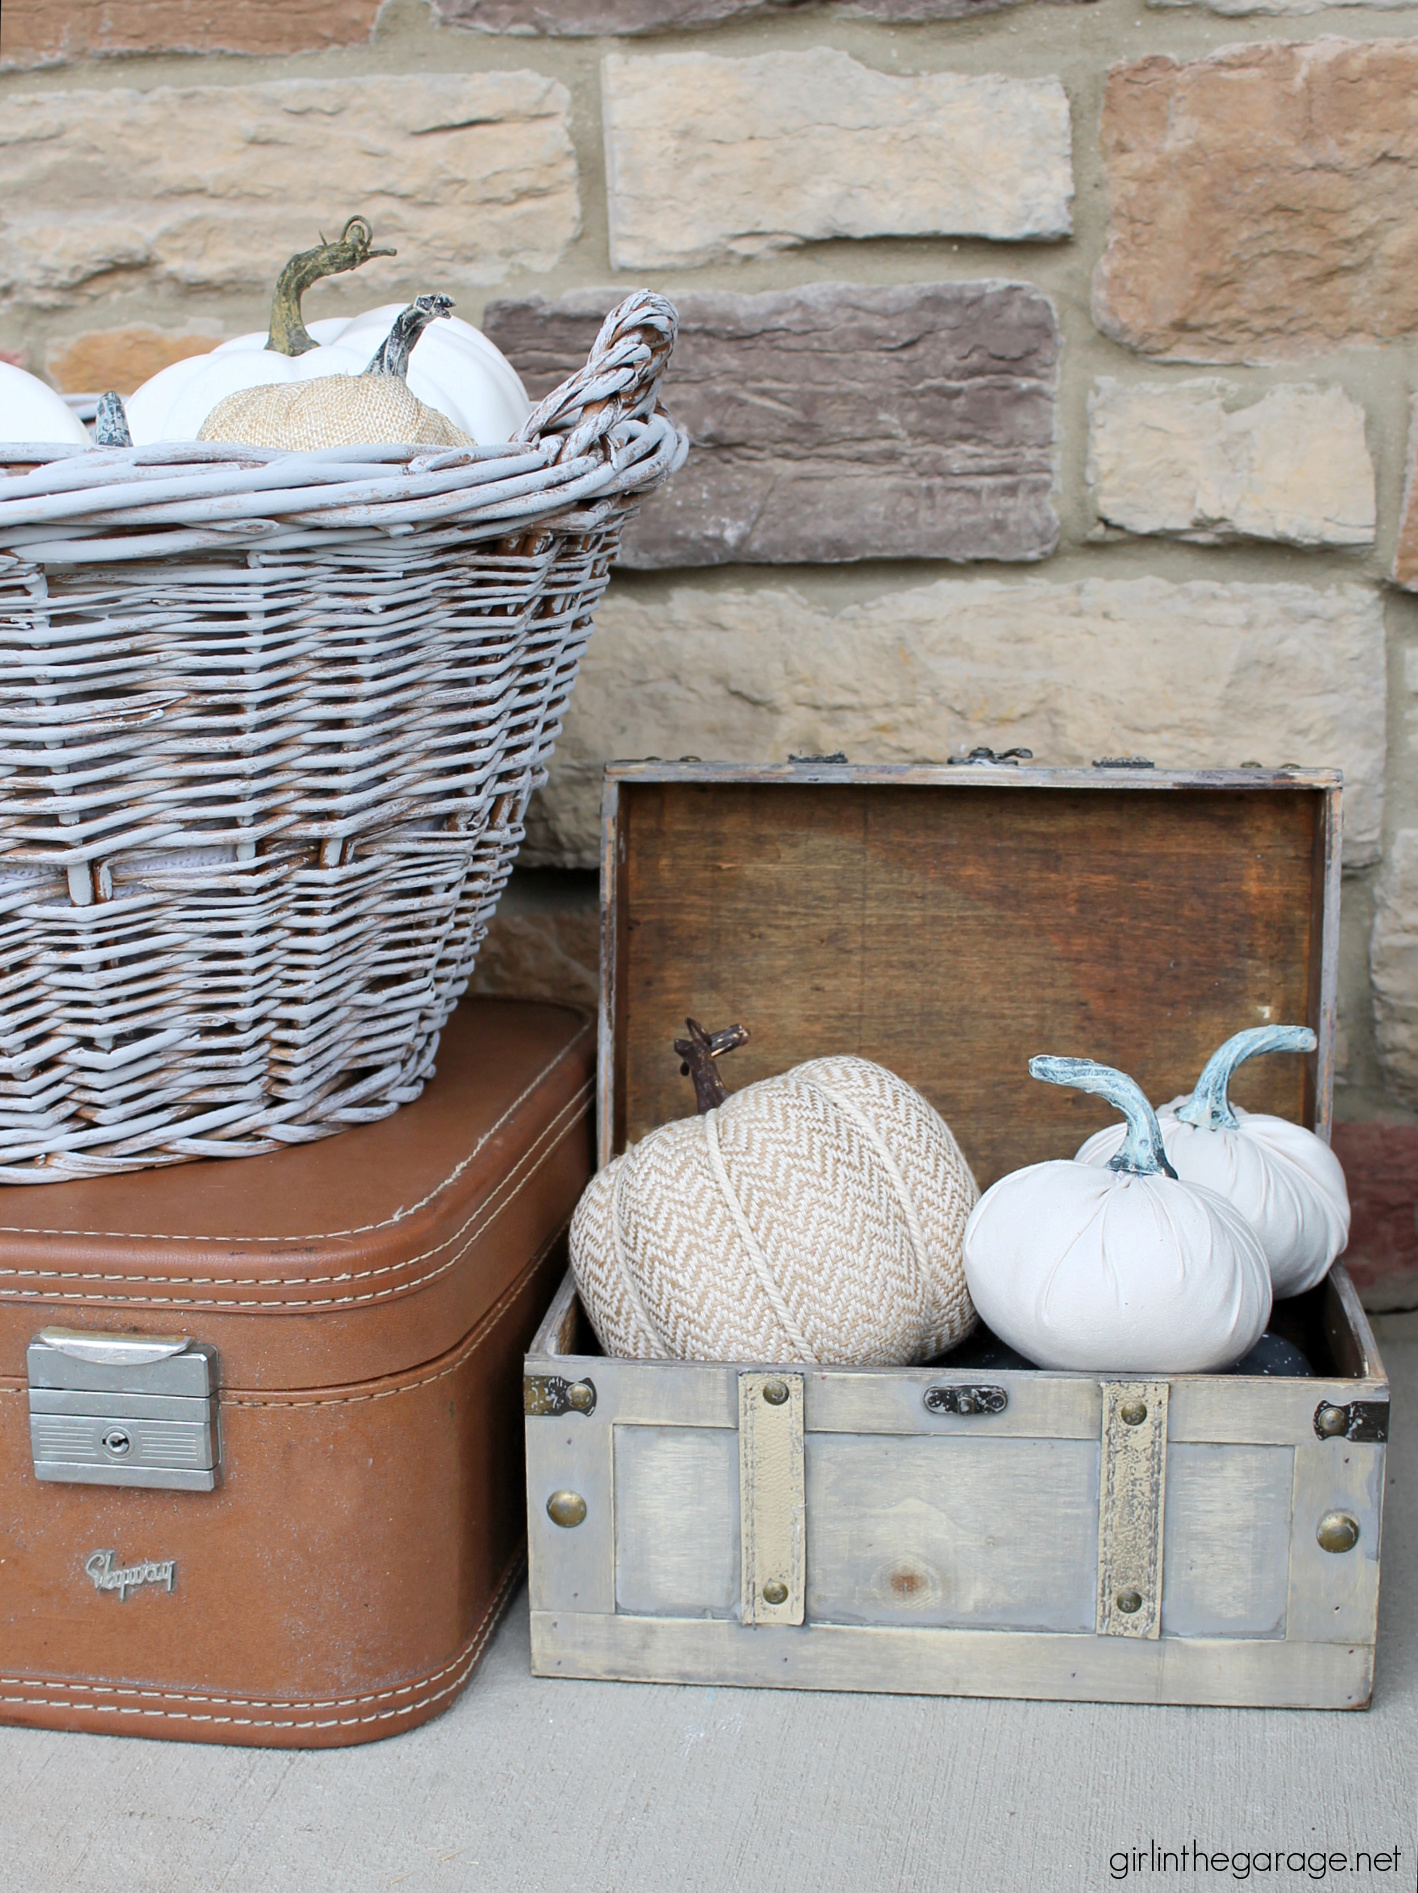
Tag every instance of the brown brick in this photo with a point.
(836, 422)
(120, 358)
(1264, 201)
(1381, 1167)
(49, 32)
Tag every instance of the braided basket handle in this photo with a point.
(620, 381)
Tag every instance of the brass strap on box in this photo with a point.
(1131, 1499)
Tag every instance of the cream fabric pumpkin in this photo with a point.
(342, 410)
(816, 1216)
(1116, 1270)
(1285, 1181)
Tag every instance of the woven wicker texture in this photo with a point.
(270, 726)
(814, 1217)
(332, 411)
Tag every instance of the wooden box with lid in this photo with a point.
(1208, 1538)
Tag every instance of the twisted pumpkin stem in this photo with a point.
(1210, 1104)
(111, 422)
(289, 335)
(409, 325)
(1143, 1153)
(699, 1051)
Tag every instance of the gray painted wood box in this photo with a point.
(948, 1530)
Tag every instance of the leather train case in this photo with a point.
(361, 1306)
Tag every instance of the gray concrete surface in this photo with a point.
(609, 1788)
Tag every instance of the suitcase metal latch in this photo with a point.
(123, 1409)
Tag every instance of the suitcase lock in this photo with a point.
(123, 1409)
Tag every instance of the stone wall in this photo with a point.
(1049, 369)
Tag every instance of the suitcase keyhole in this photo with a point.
(117, 1442)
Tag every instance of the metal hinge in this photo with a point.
(966, 1399)
(549, 1393)
(123, 1409)
(1363, 1420)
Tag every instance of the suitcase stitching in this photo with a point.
(364, 1229)
(467, 1656)
(329, 1301)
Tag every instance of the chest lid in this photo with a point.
(950, 922)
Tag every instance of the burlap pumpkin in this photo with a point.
(342, 410)
(813, 1217)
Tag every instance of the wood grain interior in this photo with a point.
(950, 934)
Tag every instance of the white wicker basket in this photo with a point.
(269, 724)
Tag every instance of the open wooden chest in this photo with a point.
(961, 1531)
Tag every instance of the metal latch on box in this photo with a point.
(123, 1409)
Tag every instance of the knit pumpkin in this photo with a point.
(816, 1216)
(342, 410)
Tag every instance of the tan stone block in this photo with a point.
(1405, 556)
(709, 159)
(213, 187)
(1263, 200)
(1177, 457)
(1194, 674)
(49, 32)
(550, 951)
(121, 359)
(577, 19)
(1393, 966)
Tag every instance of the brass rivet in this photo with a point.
(582, 1396)
(1332, 1421)
(775, 1591)
(566, 1508)
(1130, 1602)
(775, 1392)
(1134, 1413)
(1338, 1532)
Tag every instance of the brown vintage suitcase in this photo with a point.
(318, 1554)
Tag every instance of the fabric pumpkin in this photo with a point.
(30, 410)
(458, 371)
(1123, 1269)
(342, 410)
(815, 1216)
(1285, 1181)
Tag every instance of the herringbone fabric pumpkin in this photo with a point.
(813, 1217)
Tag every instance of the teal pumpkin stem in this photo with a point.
(1210, 1105)
(409, 325)
(1142, 1154)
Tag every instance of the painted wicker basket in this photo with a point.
(270, 723)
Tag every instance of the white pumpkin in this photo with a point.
(1118, 1270)
(457, 371)
(816, 1216)
(30, 410)
(1286, 1182)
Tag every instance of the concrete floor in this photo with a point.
(621, 1788)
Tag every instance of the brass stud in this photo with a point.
(1337, 1531)
(1130, 1602)
(775, 1392)
(775, 1591)
(1332, 1422)
(1134, 1413)
(566, 1509)
(581, 1396)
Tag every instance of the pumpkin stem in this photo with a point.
(1210, 1105)
(111, 422)
(409, 325)
(699, 1051)
(1142, 1154)
(289, 335)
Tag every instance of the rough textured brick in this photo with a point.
(1200, 673)
(48, 32)
(710, 159)
(1263, 200)
(1405, 558)
(575, 19)
(1186, 457)
(1393, 965)
(210, 187)
(1381, 1167)
(837, 422)
(544, 942)
(122, 359)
